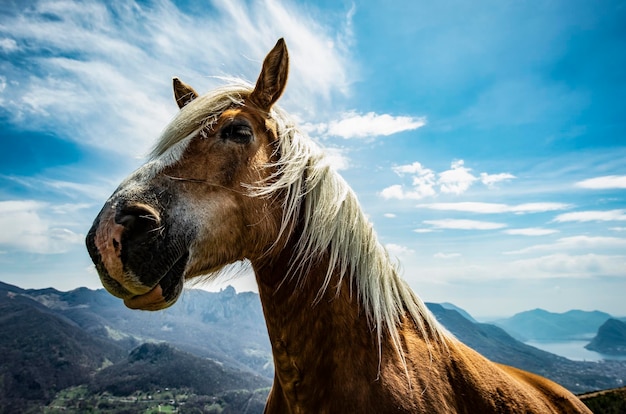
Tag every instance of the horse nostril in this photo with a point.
(138, 219)
(127, 219)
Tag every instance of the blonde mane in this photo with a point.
(333, 224)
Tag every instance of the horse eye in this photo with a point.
(239, 133)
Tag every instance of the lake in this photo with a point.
(574, 350)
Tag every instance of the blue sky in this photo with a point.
(486, 140)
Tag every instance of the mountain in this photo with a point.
(611, 338)
(611, 401)
(150, 367)
(498, 346)
(225, 329)
(540, 324)
(161, 378)
(224, 326)
(56, 340)
(42, 353)
(463, 312)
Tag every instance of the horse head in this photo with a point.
(189, 210)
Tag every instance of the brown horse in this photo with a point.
(232, 178)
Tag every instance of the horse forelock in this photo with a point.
(200, 113)
(333, 221)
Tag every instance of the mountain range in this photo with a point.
(55, 341)
(611, 338)
(539, 324)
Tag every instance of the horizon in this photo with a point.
(486, 142)
(490, 319)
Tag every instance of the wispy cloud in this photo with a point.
(456, 224)
(426, 182)
(423, 230)
(576, 243)
(530, 231)
(493, 208)
(117, 95)
(355, 125)
(96, 191)
(27, 226)
(446, 256)
(398, 250)
(337, 158)
(604, 183)
(490, 180)
(423, 185)
(586, 216)
(560, 265)
(8, 45)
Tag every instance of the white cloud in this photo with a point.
(104, 79)
(96, 191)
(586, 216)
(457, 179)
(530, 231)
(586, 243)
(423, 230)
(354, 125)
(336, 158)
(390, 215)
(3, 86)
(394, 191)
(490, 180)
(426, 182)
(8, 45)
(423, 183)
(398, 250)
(493, 208)
(26, 227)
(538, 207)
(414, 168)
(456, 224)
(398, 192)
(565, 265)
(446, 255)
(604, 183)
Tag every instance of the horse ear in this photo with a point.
(183, 93)
(273, 78)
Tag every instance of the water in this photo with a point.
(574, 350)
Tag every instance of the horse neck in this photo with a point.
(324, 347)
(299, 318)
(310, 334)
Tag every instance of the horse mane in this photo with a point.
(333, 222)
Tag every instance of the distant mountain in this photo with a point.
(497, 345)
(611, 338)
(463, 312)
(540, 324)
(42, 353)
(152, 367)
(224, 326)
(53, 340)
(225, 329)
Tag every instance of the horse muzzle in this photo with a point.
(131, 249)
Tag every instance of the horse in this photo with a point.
(232, 179)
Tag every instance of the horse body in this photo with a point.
(232, 179)
(323, 355)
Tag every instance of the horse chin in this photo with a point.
(166, 292)
(162, 295)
